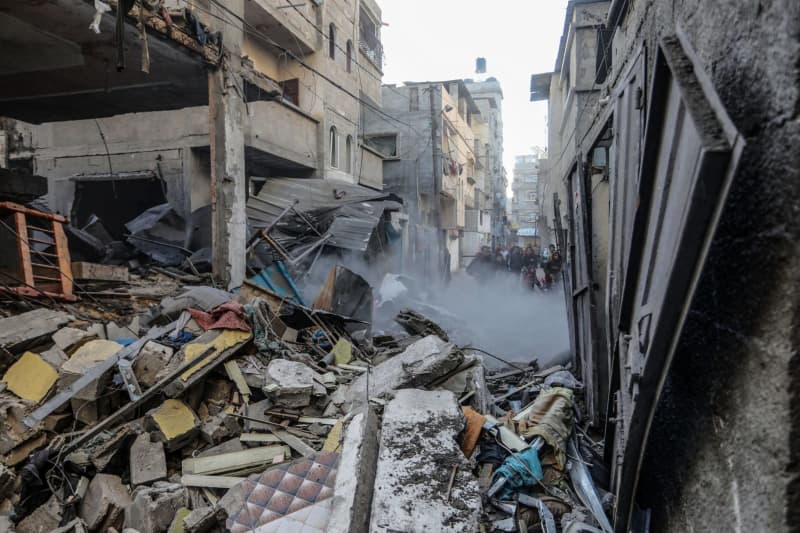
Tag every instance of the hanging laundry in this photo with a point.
(196, 27)
(100, 7)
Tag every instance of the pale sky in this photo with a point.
(440, 39)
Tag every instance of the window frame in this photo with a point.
(332, 41)
(348, 148)
(333, 147)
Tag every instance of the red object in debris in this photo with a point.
(230, 315)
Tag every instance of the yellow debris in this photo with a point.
(89, 355)
(226, 339)
(342, 352)
(174, 418)
(334, 435)
(30, 377)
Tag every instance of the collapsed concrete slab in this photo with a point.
(420, 364)
(70, 339)
(417, 459)
(352, 493)
(19, 330)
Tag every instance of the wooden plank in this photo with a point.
(23, 248)
(210, 482)
(295, 443)
(312, 420)
(235, 375)
(62, 249)
(234, 461)
(97, 272)
(268, 438)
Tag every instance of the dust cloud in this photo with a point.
(506, 319)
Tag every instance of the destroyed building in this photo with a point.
(672, 192)
(141, 109)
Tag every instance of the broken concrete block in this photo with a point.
(201, 520)
(154, 507)
(30, 377)
(97, 330)
(87, 356)
(148, 462)
(55, 356)
(105, 503)
(19, 330)
(129, 331)
(352, 493)
(417, 457)
(176, 422)
(219, 427)
(289, 383)
(44, 519)
(70, 339)
(98, 272)
(420, 364)
(12, 430)
(151, 359)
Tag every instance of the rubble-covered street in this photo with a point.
(154, 405)
(399, 266)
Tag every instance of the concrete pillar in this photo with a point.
(226, 122)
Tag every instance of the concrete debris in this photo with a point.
(154, 508)
(20, 330)
(418, 366)
(105, 503)
(418, 453)
(148, 462)
(328, 428)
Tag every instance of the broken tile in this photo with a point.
(148, 462)
(30, 377)
(176, 422)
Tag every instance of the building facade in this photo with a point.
(283, 96)
(432, 137)
(671, 188)
(526, 201)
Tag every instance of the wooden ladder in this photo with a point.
(41, 272)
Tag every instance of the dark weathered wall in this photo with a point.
(723, 454)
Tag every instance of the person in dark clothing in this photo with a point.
(553, 265)
(516, 261)
(482, 266)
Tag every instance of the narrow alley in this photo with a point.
(396, 266)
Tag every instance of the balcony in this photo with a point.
(290, 25)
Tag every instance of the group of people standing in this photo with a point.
(532, 267)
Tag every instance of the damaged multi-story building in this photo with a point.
(672, 189)
(525, 205)
(192, 103)
(442, 147)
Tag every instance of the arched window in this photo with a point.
(349, 56)
(348, 149)
(333, 146)
(332, 41)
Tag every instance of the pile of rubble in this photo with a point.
(136, 403)
(214, 411)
